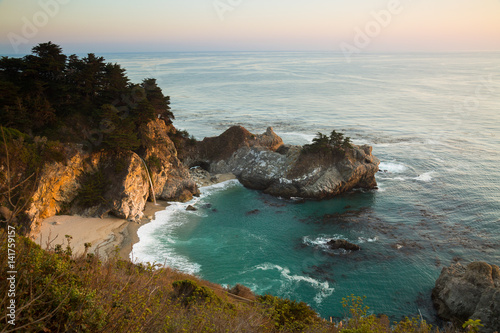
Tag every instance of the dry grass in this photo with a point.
(58, 292)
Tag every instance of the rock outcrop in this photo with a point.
(335, 244)
(171, 178)
(471, 292)
(224, 146)
(124, 193)
(124, 174)
(264, 163)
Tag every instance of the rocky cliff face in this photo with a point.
(471, 292)
(124, 188)
(222, 147)
(118, 180)
(263, 162)
(170, 176)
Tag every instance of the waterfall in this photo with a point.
(150, 181)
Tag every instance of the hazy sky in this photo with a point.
(250, 25)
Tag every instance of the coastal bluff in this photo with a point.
(263, 162)
(105, 182)
(118, 183)
(469, 292)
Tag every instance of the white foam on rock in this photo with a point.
(392, 167)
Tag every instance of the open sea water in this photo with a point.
(434, 122)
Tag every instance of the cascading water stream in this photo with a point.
(150, 181)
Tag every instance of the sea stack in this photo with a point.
(263, 162)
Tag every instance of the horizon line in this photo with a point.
(274, 51)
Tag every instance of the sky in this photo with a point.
(100, 26)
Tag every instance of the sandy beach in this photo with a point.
(108, 236)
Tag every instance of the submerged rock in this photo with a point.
(471, 292)
(253, 212)
(335, 244)
(264, 163)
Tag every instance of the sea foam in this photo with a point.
(425, 177)
(392, 167)
(323, 288)
(156, 238)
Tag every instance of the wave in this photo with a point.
(209, 190)
(397, 169)
(391, 141)
(392, 167)
(156, 240)
(380, 188)
(362, 240)
(155, 243)
(398, 178)
(425, 177)
(321, 240)
(290, 136)
(323, 288)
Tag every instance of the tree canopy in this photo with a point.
(48, 93)
(336, 143)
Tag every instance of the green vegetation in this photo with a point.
(21, 158)
(291, 315)
(190, 292)
(359, 321)
(472, 325)
(59, 292)
(70, 99)
(336, 144)
(326, 150)
(93, 188)
(49, 99)
(182, 140)
(154, 162)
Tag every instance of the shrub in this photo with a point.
(472, 325)
(53, 152)
(242, 291)
(92, 190)
(336, 144)
(189, 292)
(287, 314)
(359, 322)
(120, 164)
(48, 287)
(154, 162)
(413, 325)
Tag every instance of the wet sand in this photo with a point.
(109, 236)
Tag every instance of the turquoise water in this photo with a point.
(432, 119)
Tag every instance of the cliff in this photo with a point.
(264, 163)
(471, 292)
(112, 182)
(171, 179)
(117, 182)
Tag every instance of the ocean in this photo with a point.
(434, 122)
